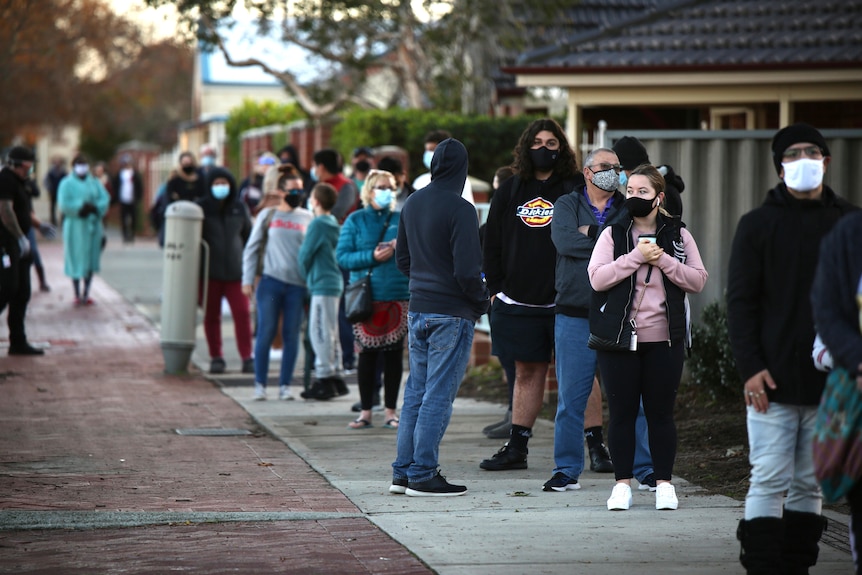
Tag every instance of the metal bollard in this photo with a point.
(181, 275)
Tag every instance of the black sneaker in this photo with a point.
(561, 482)
(437, 486)
(600, 460)
(248, 365)
(398, 487)
(339, 385)
(506, 458)
(217, 365)
(647, 483)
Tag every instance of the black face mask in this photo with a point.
(189, 170)
(639, 207)
(293, 200)
(544, 159)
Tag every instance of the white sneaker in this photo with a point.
(665, 496)
(621, 498)
(285, 394)
(259, 392)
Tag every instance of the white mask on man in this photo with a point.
(803, 175)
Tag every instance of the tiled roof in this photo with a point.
(725, 34)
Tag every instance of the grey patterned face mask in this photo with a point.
(607, 180)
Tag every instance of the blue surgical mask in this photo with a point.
(623, 178)
(207, 161)
(383, 197)
(313, 173)
(426, 158)
(220, 191)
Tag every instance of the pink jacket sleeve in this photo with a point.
(605, 272)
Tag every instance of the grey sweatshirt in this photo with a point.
(281, 260)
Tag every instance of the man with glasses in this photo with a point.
(580, 216)
(771, 272)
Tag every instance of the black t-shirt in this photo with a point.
(13, 188)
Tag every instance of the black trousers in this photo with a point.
(652, 372)
(129, 221)
(15, 293)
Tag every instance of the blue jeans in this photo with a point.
(782, 460)
(575, 367)
(642, 467)
(276, 298)
(439, 351)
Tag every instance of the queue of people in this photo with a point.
(612, 266)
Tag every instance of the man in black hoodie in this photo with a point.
(769, 315)
(438, 249)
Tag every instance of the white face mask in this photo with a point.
(82, 169)
(803, 175)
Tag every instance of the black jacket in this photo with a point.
(519, 256)
(609, 310)
(438, 241)
(836, 285)
(15, 190)
(770, 274)
(226, 227)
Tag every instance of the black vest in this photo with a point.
(610, 309)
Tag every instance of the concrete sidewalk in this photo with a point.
(88, 442)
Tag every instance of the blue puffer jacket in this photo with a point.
(355, 252)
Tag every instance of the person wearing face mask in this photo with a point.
(580, 216)
(640, 270)
(770, 274)
(367, 242)
(519, 262)
(16, 251)
(251, 188)
(83, 202)
(187, 184)
(128, 188)
(276, 238)
(432, 139)
(632, 154)
(226, 227)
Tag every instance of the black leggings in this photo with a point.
(653, 371)
(393, 367)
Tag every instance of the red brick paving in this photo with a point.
(90, 426)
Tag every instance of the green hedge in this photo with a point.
(711, 365)
(256, 114)
(489, 141)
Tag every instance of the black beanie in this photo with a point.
(786, 137)
(21, 154)
(631, 152)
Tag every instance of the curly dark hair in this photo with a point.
(567, 163)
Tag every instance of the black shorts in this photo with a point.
(522, 333)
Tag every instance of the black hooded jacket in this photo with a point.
(770, 274)
(438, 241)
(226, 227)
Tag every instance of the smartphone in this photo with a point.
(649, 237)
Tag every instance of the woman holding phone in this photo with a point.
(367, 242)
(640, 270)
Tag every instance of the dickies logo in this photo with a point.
(536, 213)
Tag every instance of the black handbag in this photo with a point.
(601, 344)
(358, 305)
(358, 300)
